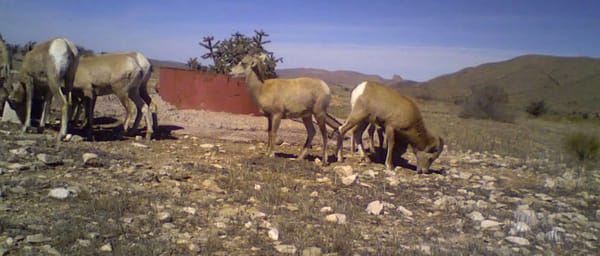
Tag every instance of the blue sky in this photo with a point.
(417, 40)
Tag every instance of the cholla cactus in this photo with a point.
(227, 53)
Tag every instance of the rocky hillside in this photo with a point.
(566, 84)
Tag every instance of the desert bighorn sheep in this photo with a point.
(43, 70)
(376, 103)
(112, 73)
(146, 69)
(286, 98)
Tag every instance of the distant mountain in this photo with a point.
(566, 84)
(347, 79)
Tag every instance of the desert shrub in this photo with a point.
(487, 102)
(583, 146)
(537, 108)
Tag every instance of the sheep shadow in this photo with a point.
(111, 129)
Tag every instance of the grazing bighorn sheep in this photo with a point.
(43, 70)
(287, 98)
(146, 69)
(112, 73)
(376, 103)
(356, 138)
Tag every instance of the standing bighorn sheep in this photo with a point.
(112, 73)
(146, 70)
(286, 98)
(376, 103)
(47, 70)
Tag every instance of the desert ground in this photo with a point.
(205, 187)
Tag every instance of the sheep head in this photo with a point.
(426, 157)
(250, 63)
(15, 89)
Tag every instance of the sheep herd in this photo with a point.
(54, 69)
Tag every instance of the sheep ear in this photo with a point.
(262, 57)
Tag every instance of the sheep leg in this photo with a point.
(322, 123)
(46, 109)
(127, 105)
(89, 102)
(28, 104)
(371, 133)
(310, 134)
(389, 134)
(354, 118)
(357, 135)
(274, 121)
(151, 108)
(54, 85)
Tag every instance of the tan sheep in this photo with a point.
(48, 70)
(287, 98)
(399, 116)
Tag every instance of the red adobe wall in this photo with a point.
(187, 89)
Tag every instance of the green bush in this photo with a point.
(537, 108)
(487, 102)
(583, 146)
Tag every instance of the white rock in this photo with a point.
(257, 187)
(336, 218)
(404, 211)
(370, 173)
(164, 217)
(490, 224)
(517, 240)
(343, 171)
(465, 175)
(37, 238)
(521, 227)
(326, 209)
(106, 248)
(190, 210)
(88, 156)
(138, 145)
(273, 234)
(375, 207)
(524, 214)
(207, 146)
(286, 248)
(475, 216)
(348, 180)
(18, 167)
(59, 193)
(314, 194)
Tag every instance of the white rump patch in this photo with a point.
(357, 92)
(325, 87)
(59, 52)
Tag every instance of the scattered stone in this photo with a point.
(348, 180)
(37, 238)
(520, 227)
(22, 151)
(106, 248)
(49, 250)
(190, 210)
(207, 146)
(49, 160)
(404, 211)
(343, 171)
(517, 240)
(375, 207)
(285, 248)
(90, 159)
(18, 167)
(59, 193)
(312, 251)
(164, 217)
(589, 236)
(476, 216)
(326, 209)
(138, 145)
(314, 194)
(465, 175)
(273, 234)
(337, 218)
(490, 224)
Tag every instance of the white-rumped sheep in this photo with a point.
(286, 98)
(47, 70)
(118, 74)
(399, 116)
(146, 69)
